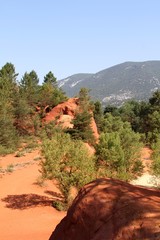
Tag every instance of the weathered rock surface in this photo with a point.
(66, 108)
(108, 209)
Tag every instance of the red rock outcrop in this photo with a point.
(66, 108)
(64, 113)
(108, 209)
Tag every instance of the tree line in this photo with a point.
(23, 103)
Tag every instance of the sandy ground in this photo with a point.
(26, 210)
(147, 179)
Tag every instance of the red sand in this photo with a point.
(146, 158)
(30, 214)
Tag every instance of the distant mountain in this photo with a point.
(115, 85)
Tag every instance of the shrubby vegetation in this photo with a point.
(144, 117)
(118, 150)
(122, 130)
(156, 158)
(68, 161)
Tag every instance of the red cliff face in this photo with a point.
(65, 112)
(108, 209)
(66, 108)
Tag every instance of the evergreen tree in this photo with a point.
(155, 100)
(23, 112)
(111, 109)
(153, 122)
(50, 78)
(98, 115)
(29, 87)
(49, 94)
(156, 157)
(109, 151)
(83, 117)
(8, 72)
(8, 89)
(81, 127)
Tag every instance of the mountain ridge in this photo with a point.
(117, 84)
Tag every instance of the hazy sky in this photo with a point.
(76, 36)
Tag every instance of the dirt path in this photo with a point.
(146, 159)
(26, 210)
(147, 179)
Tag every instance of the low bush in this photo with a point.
(118, 150)
(68, 161)
(4, 150)
(156, 158)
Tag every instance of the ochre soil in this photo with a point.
(26, 210)
(146, 159)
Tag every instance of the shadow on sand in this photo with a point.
(24, 201)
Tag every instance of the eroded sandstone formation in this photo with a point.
(64, 113)
(108, 209)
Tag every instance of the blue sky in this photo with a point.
(75, 36)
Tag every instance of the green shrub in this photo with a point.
(8, 134)
(49, 129)
(81, 127)
(4, 150)
(68, 161)
(109, 151)
(153, 137)
(119, 152)
(60, 206)
(156, 158)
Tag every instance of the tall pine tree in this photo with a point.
(83, 117)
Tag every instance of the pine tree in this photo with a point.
(8, 89)
(50, 78)
(29, 87)
(83, 117)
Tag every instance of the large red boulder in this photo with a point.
(108, 209)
